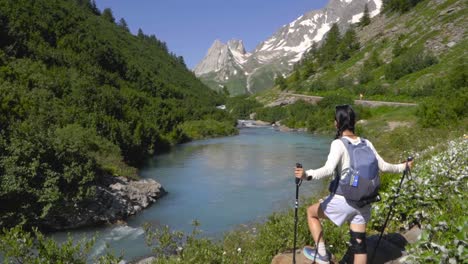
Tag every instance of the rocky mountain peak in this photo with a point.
(277, 54)
(236, 45)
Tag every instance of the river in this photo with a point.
(223, 183)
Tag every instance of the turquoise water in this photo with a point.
(222, 183)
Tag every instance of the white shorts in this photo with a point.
(338, 210)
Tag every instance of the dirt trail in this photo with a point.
(287, 98)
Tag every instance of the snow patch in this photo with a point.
(303, 46)
(346, 1)
(296, 58)
(317, 16)
(308, 22)
(239, 57)
(378, 6)
(356, 18)
(321, 32)
(267, 45)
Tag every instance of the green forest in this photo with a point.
(81, 97)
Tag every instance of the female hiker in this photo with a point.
(355, 164)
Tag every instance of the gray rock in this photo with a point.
(115, 199)
(146, 260)
(451, 44)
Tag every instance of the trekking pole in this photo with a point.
(296, 205)
(405, 172)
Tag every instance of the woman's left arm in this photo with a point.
(385, 166)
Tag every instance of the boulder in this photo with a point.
(115, 199)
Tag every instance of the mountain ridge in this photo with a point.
(277, 54)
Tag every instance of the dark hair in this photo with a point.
(345, 119)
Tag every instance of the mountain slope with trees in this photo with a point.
(414, 52)
(81, 97)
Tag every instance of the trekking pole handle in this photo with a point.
(409, 159)
(298, 181)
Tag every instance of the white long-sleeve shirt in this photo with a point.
(339, 158)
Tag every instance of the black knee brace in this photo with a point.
(356, 246)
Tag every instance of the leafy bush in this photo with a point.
(399, 5)
(409, 62)
(434, 197)
(206, 128)
(19, 246)
(318, 85)
(271, 114)
(329, 102)
(241, 106)
(448, 104)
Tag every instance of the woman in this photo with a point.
(336, 207)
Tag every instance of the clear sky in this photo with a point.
(189, 27)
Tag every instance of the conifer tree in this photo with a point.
(348, 44)
(140, 33)
(328, 52)
(107, 14)
(123, 24)
(280, 81)
(365, 19)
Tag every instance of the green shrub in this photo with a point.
(331, 101)
(409, 62)
(19, 246)
(240, 107)
(271, 114)
(436, 112)
(207, 128)
(318, 85)
(400, 5)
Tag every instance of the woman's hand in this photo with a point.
(410, 163)
(299, 173)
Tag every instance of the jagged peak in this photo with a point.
(237, 45)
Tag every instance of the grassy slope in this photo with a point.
(411, 29)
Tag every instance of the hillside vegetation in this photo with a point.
(81, 97)
(415, 51)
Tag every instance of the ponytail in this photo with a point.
(345, 119)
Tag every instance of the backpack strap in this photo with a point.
(334, 184)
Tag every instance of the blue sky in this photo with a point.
(189, 27)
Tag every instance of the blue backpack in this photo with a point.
(360, 183)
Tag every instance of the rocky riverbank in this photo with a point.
(115, 199)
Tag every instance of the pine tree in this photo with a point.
(140, 33)
(107, 14)
(123, 24)
(281, 82)
(365, 19)
(328, 52)
(348, 44)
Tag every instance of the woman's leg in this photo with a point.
(314, 213)
(359, 228)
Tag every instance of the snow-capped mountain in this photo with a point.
(229, 64)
